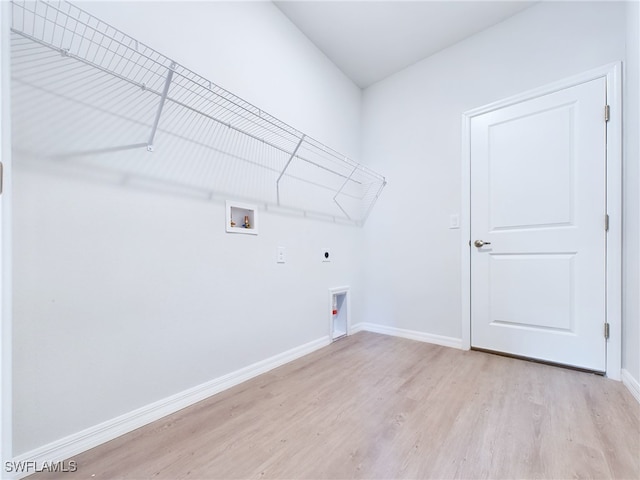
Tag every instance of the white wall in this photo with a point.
(631, 239)
(125, 296)
(412, 133)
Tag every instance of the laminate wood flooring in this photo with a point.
(375, 406)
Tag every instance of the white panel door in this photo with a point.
(538, 201)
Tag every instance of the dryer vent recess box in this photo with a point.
(339, 306)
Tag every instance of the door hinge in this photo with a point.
(607, 113)
(606, 331)
(606, 222)
(1, 177)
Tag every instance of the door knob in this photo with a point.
(481, 243)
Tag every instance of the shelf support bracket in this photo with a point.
(163, 98)
(375, 199)
(287, 166)
(335, 197)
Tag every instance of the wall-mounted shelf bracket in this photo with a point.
(293, 154)
(163, 98)
(335, 197)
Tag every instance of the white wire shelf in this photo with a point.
(82, 89)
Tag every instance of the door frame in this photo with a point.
(6, 412)
(613, 76)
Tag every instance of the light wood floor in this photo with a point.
(373, 406)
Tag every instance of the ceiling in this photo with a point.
(370, 40)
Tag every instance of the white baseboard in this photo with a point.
(631, 383)
(84, 440)
(410, 334)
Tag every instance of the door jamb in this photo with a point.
(6, 435)
(612, 74)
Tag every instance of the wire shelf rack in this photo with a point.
(82, 89)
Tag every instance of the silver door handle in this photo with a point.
(481, 243)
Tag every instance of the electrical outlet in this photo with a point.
(326, 255)
(454, 221)
(281, 256)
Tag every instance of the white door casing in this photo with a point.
(6, 447)
(539, 188)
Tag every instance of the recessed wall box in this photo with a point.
(241, 218)
(339, 306)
